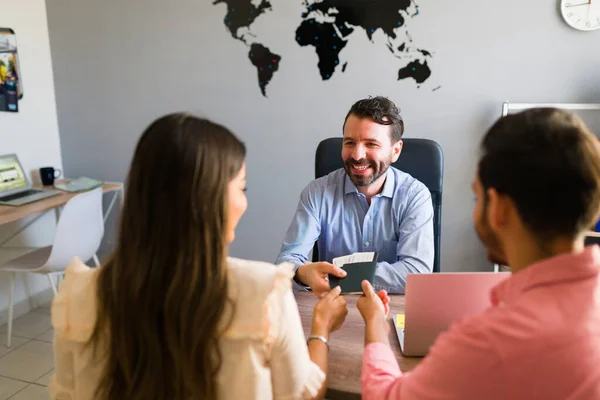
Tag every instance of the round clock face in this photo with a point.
(583, 15)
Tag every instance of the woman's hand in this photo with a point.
(330, 313)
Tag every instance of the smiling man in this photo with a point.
(366, 206)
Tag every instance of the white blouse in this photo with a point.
(264, 350)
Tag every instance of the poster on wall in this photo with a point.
(11, 88)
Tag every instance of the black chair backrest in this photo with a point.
(421, 158)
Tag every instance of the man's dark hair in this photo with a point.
(381, 110)
(548, 162)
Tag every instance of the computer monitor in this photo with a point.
(592, 238)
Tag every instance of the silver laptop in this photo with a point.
(15, 188)
(434, 301)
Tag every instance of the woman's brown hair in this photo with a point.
(163, 292)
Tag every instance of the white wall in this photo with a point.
(120, 64)
(32, 133)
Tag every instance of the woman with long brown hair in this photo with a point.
(170, 316)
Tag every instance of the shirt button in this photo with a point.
(366, 244)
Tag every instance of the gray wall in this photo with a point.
(120, 64)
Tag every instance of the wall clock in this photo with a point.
(583, 15)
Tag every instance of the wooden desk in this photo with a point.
(347, 345)
(40, 207)
(11, 213)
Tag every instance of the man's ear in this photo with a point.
(497, 208)
(396, 150)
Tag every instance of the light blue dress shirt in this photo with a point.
(398, 225)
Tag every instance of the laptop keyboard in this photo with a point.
(19, 195)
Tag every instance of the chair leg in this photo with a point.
(30, 297)
(96, 261)
(11, 298)
(52, 284)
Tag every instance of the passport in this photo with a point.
(357, 270)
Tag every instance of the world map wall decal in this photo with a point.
(327, 26)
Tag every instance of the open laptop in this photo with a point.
(15, 188)
(434, 301)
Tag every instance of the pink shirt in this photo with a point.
(539, 340)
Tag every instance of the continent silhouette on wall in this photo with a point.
(419, 72)
(266, 63)
(238, 19)
(242, 13)
(326, 42)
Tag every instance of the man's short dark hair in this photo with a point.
(548, 162)
(381, 110)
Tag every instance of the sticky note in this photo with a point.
(399, 320)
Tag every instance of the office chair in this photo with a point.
(421, 158)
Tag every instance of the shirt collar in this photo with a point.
(390, 182)
(561, 268)
(388, 186)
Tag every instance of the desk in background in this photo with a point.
(347, 345)
(40, 207)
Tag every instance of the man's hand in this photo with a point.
(315, 276)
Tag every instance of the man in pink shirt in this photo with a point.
(538, 191)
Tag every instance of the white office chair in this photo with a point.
(78, 234)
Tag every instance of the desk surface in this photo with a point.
(347, 345)
(11, 213)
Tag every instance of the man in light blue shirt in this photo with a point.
(366, 206)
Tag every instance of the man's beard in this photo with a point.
(365, 180)
(490, 240)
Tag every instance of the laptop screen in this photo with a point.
(11, 174)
